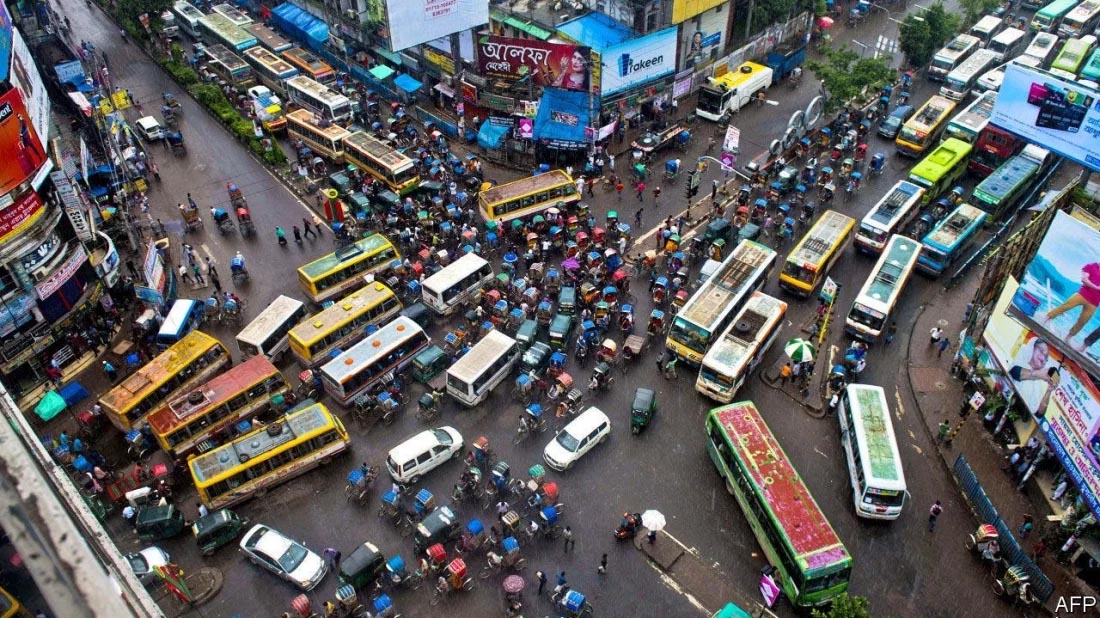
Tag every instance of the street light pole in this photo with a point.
(863, 48)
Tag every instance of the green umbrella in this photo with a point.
(538, 219)
(800, 350)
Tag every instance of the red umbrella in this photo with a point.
(825, 21)
(514, 584)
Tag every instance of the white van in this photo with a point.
(422, 453)
(590, 428)
(1008, 44)
(987, 28)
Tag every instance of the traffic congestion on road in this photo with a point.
(405, 377)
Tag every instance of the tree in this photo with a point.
(845, 606)
(975, 9)
(845, 76)
(922, 35)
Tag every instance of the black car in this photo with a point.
(891, 125)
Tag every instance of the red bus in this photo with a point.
(994, 147)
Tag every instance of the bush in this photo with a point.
(182, 73)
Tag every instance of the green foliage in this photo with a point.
(182, 73)
(973, 10)
(767, 12)
(922, 35)
(821, 8)
(845, 76)
(845, 606)
(127, 12)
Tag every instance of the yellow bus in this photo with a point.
(265, 457)
(194, 420)
(10, 607)
(189, 362)
(924, 128)
(813, 256)
(393, 168)
(528, 196)
(310, 65)
(346, 268)
(326, 139)
(342, 324)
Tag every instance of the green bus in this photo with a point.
(1072, 57)
(1050, 16)
(1002, 189)
(939, 170)
(1091, 70)
(813, 564)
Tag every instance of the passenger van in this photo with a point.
(184, 317)
(1008, 44)
(590, 428)
(987, 28)
(422, 453)
(1042, 48)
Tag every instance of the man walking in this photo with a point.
(197, 271)
(570, 542)
(619, 190)
(602, 569)
(656, 194)
(611, 161)
(641, 191)
(109, 369)
(638, 218)
(934, 335)
(539, 575)
(297, 234)
(184, 275)
(332, 556)
(210, 270)
(306, 230)
(933, 514)
(944, 344)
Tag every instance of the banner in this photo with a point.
(26, 79)
(62, 275)
(21, 152)
(549, 64)
(5, 42)
(413, 22)
(445, 63)
(638, 61)
(20, 215)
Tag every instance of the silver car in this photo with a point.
(284, 557)
(144, 561)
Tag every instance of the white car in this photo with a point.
(422, 453)
(149, 129)
(590, 428)
(284, 557)
(145, 560)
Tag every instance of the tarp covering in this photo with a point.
(301, 25)
(491, 135)
(407, 83)
(381, 72)
(596, 30)
(563, 115)
(51, 405)
(73, 393)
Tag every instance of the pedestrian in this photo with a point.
(570, 542)
(332, 556)
(306, 228)
(203, 511)
(109, 369)
(651, 536)
(768, 223)
(280, 235)
(217, 283)
(714, 190)
(1026, 527)
(561, 582)
(317, 224)
(128, 512)
(539, 575)
(502, 508)
(591, 185)
(611, 161)
(619, 190)
(602, 569)
(656, 194)
(297, 234)
(1038, 550)
(944, 344)
(133, 269)
(933, 513)
(197, 271)
(934, 335)
(890, 332)
(638, 218)
(785, 374)
(191, 201)
(942, 430)
(184, 275)
(640, 188)
(580, 185)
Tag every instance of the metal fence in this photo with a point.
(975, 495)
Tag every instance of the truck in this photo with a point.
(269, 109)
(168, 25)
(785, 57)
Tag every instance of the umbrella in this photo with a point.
(513, 584)
(571, 264)
(800, 350)
(839, 370)
(653, 520)
(824, 21)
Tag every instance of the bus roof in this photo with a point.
(1058, 7)
(713, 298)
(1083, 11)
(268, 59)
(482, 355)
(179, 410)
(900, 252)
(932, 110)
(221, 54)
(340, 312)
(879, 449)
(809, 534)
(1091, 70)
(331, 130)
(947, 231)
(977, 114)
(735, 77)
(178, 315)
(379, 151)
(154, 373)
(232, 13)
(307, 59)
(1005, 179)
(889, 207)
(213, 464)
(455, 272)
(363, 246)
(376, 344)
(523, 186)
(272, 315)
(739, 343)
(187, 9)
(942, 159)
(1072, 55)
(225, 29)
(816, 243)
(268, 37)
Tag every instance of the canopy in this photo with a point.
(491, 135)
(388, 55)
(301, 25)
(51, 405)
(563, 116)
(381, 72)
(596, 30)
(73, 393)
(407, 83)
(527, 27)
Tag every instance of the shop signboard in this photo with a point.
(682, 86)
(20, 215)
(65, 272)
(413, 22)
(21, 152)
(70, 203)
(153, 268)
(686, 9)
(444, 63)
(638, 61)
(148, 296)
(526, 128)
(14, 313)
(44, 251)
(497, 102)
(106, 261)
(559, 65)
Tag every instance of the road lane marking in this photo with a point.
(209, 254)
(820, 453)
(677, 588)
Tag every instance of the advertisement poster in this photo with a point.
(1059, 115)
(700, 41)
(547, 64)
(1060, 291)
(20, 215)
(638, 61)
(686, 9)
(413, 22)
(26, 79)
(21, 152)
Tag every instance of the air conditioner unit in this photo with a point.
(39, 275)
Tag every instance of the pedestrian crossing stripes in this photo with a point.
(885, 45)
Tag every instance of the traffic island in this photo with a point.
(201, 584)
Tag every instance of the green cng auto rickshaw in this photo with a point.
(362, 567)
(642, 409)
(561, 329)
(567, 300)
(717, 229)
(217, 529)
(429, 363)
(527, 333)
(154, 523)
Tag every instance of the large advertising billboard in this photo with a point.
(1061, 290)
(686, 9)
(21, 152)
(558, 65)
(1056, 114)
(413, 22)
(26, 79)
(5, 41)
(638, 61)
(1057, 391)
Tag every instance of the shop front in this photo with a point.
(561, 130)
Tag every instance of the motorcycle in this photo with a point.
(628, 526)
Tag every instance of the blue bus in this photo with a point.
(184, 317)
(947, 241)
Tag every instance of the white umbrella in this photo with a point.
(653, 520)
(799, 350)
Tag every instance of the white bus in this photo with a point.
(232, 13)
(730, 361)
(874, 463)
(960, 82)
(447, 289)
(267, 334)
(1043, 48)
(377, 358)
(272, 70)
(880, 294)
(479, 371)
(1010, 43)
(893, 213)
(1082, 20)
(969, 124)
(952, 55)
(187, 18)
(319, 99)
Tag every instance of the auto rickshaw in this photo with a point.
(216, 529)
(561, 329)
(660, 288)
(656, 324)
(567, 300)
(574, 605)
(626, 318)
(429, 364)
(527, 333)
(362, 567)
(544, 313)
(608, 352)
(718, 229)
(552, 281)
(642, 409)
(154, 523)
(439, 526)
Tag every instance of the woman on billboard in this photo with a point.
(574, 71)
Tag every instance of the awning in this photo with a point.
(563, 116)
(301, 25)
(381, 72)
(539, 33)
(491, 135)
(407, 83)
(445, 89)
(390, 57)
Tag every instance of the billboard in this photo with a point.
(549, 64)
(685, 9)
(20, 215)
(413, 22)
(5, 42)
(638, 61)
(1056, 114)
(26, 78)
(1060, 291)
(21, 152)
(1057, 391)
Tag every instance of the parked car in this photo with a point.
(144, 561)
(590, 428)
(149, 129)
(284, 557)
(422, 453)
(892, 123)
